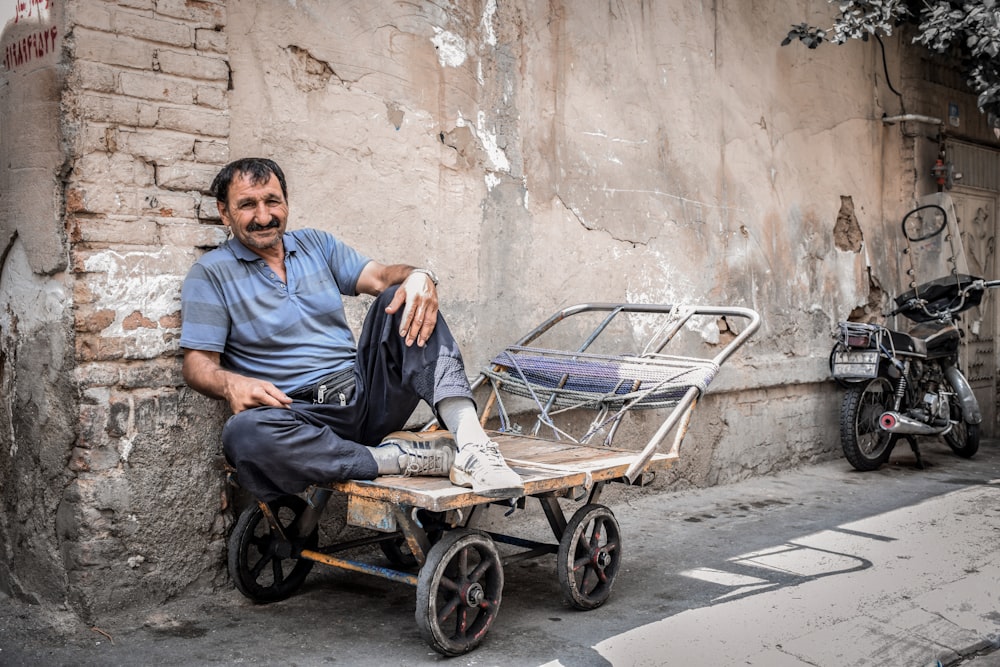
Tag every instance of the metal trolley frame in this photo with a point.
(425, 527)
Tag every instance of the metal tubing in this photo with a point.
(356, 566)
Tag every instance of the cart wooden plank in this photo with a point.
(544, 465)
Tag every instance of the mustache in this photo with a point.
(254, 227)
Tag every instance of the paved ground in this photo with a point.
(820, 566)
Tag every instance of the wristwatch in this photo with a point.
(427, 272)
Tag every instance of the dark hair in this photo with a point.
(258, 169)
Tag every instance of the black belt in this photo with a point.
(335, 388)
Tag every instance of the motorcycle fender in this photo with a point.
(970, 406)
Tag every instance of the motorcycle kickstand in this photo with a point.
(916, 451)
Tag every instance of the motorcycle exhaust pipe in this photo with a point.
(893, 422)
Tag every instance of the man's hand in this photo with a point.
(420, 313)
(244, 393)
(205, 375)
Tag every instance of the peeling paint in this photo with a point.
(450, 48)
(489, 142)
(489, 11)
(134, 278)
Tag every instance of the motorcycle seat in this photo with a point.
(928, 339)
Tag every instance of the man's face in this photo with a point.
(256, 214)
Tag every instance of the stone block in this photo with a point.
(154, 29)
(194, 66)
(208, 209)
(157, 145)
(195, 235)
(156, 87)
(96, 15)
(206, 123)
(116, 110)
(207, 13)
(102, 171)
(170, 204)
(210, 39)
(186, 176)
(141, 232)
(94, 76)
(113, 49)
(216, 152)
(215, 97)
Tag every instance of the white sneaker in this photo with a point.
(430, 453)
(482, 467)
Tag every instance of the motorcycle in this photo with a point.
(905, 384)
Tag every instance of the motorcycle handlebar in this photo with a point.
(921, 304)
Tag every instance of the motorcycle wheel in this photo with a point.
(963, 438)
(865, 444)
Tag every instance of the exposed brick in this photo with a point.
(212, 96)
(203, 12)
(156, 144)
(95, 15)
(116, 110)
(211, 151)
(112, 169)
(155, 374)
(94, 76)
(137, 4)
(208, 210)
(208, 123)
(157, 87)
(100, 457)
(193, 235)
(96, 138)
(193, 65)
(159, 30)
(113, 49)
(136, 320)
(141, 232)
(87, 320)
(75, 200)
(209, 39)
(186, 176)
(170, 204)
(90, 347)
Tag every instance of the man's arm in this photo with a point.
(204, 374)
(416, 290)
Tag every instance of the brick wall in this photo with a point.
(146, 127)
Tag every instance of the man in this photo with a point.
(264, 329)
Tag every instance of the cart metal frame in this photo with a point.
(424, 525)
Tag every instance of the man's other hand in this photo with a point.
(421, 308)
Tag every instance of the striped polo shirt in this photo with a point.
(291, 334)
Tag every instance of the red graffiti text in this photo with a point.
(30, 47)
(26, 8)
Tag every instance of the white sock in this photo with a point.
(459, 417)
(387, 458)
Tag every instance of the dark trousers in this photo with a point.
(280, 451)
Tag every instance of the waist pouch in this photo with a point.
(337, 388)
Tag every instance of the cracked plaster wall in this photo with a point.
(534, 154)
(539, 154)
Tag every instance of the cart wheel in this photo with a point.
(589, 556)
(264, 566)
(458, 591)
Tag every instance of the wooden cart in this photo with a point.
(424, 526)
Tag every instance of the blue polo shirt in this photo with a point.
(292, 334)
